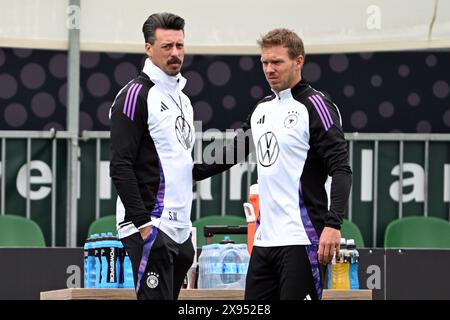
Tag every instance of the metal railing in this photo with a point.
(98, 136)
(376, 138)
(29, 136)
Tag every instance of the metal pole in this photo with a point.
(199, 142)
(249, 177)
(73, 84)
(54, 176)
(3, 175)
(28, 186)
(400, 188)
(224, 185)
(375, 195)
(223, 206)
(425, 182)
(350, 200)
(97, 178)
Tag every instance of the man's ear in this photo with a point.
(299, 61)
(148, 49)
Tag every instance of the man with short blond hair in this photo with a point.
(299, 143)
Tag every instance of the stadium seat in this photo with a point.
(217, 220)
(350, 230)
(417, 232)
(104, 224)
(18, 231)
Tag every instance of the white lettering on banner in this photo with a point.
(213, 152)
(105, 180)
(205, 190)
(374, 17)
(374, 280)
(416, 181)
(44, 177)
(236, 176)
(366, 174)
(74, 279)
(447, 183)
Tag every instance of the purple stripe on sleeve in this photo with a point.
(131, 100)
(324, 107)
(159, 205)
(133, 105)
(319, 112)
(148, 244)
(125, 107)
(321, 108)
(313, 247)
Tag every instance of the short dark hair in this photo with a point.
(286, 38)
(163, 20)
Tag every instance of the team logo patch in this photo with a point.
(152, 280)
(268, 149)
(291, 120)
(183, 132)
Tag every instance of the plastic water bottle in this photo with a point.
(110, 264)
(243, 266)
(127, 271)
(204, 267)
(354, 264)
(126, 279)
(230, 258)
(338, 269)
(89, 261)
(98, 261)
(210, 268)
(215, 266)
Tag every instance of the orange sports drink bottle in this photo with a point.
(251, 209)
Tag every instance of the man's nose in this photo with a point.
(175, 51)
(270, 68)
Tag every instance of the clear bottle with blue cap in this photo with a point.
(243, 265)
(230, 258)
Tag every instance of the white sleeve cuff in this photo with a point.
(148, 224)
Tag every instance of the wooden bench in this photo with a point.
(185, 294)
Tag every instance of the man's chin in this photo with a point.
(275, 87)
(173, 72)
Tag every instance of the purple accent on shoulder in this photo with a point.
(159, 203)
(146, 248)
(133, 105)
(125, 106)
(133, 91)
(319, 111)
(313, 247)
(324, 107)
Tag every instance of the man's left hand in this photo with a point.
(330, 241)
